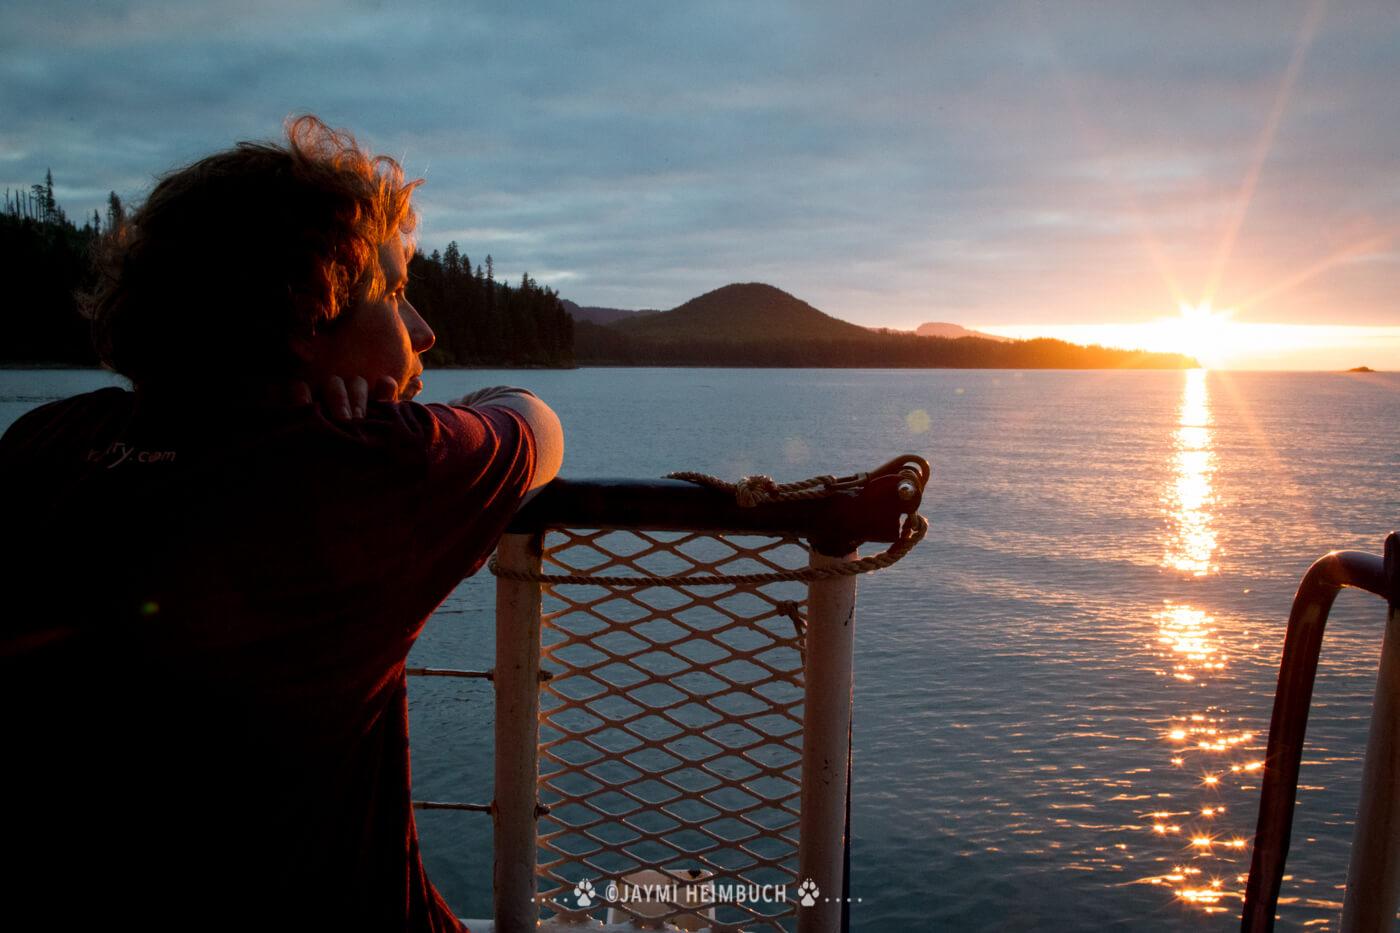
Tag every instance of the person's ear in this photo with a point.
(306, 344)
(305, 349)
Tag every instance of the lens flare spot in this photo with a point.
(796, 451)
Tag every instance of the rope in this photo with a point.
(755, 490)
(749, 492)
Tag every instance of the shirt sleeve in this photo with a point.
(480, 462)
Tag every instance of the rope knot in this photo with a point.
(752, 490)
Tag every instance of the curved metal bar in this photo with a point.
(1297, 672)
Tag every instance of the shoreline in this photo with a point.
(23, 366)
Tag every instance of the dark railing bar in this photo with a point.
(451, 805)
(867, 513)
(447, 672)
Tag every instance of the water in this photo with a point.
(1062, 695)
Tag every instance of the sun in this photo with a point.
(1199, 331)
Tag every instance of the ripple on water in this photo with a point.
(1062, 696)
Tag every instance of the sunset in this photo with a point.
(1015, 168)
(1220, 341)
(790, 467)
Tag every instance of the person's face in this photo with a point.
(376, 338)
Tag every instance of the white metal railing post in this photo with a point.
(826, 725)
(1373, 878)
(517, 680)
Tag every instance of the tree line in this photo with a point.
(482, 322)
(478, 320)
(606, 346)
(48, 264)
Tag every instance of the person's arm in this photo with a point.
(543, 422)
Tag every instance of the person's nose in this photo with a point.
(420, 335)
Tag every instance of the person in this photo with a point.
(213, 581)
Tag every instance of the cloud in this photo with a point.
(991, 163)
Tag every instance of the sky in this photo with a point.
(1083, 170)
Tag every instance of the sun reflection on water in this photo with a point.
(1211, 756)
(1190, 497)
(1188, 634)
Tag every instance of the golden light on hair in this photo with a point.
(383, 210)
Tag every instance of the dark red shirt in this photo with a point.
(202, 654)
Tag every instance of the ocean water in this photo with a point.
(1063, 695)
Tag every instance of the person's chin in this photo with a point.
(411, 388)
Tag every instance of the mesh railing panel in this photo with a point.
(671, 723)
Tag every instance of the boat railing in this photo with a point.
(1373, 878)
(673, 684)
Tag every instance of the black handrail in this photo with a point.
(1297, 672)
(870, 510)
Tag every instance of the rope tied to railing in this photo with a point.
(757, 490)
(911, 533)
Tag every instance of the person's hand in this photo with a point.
(482, 396)
(343, 398)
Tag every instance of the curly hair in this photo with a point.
(233, 257)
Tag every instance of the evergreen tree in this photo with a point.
(50, 205)
(482, 322)
(116, 214)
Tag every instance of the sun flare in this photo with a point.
(1198, 331)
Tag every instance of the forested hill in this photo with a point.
(482, 322)
(749, 312)
(758, 325)
(597, 315)
(45, 261)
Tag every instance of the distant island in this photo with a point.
(1361, 369)
(594, 315)
(753, 324)
(480, 321)
(954, 331)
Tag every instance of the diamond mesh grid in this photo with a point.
(671, 727)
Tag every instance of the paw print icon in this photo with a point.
(584, 893)
(807, 893)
